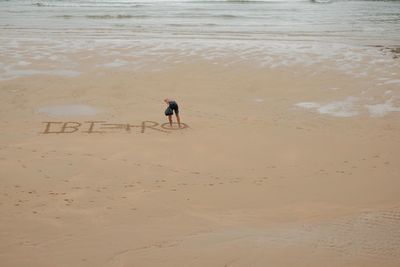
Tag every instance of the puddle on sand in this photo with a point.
(68, 110)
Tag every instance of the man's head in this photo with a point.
(166, 100)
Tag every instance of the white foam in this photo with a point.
(393, 82)
(24, 63)
(116, 63)
(380, 110)
(388, 92)
(344, 108)
(14, 73)
(308, 105)
(68, 110)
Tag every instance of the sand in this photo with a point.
(253, 180)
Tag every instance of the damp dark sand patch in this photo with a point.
(68, 110)
(393, 50)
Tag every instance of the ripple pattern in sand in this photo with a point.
(374, 235)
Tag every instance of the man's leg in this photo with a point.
(179, 120)
(170, 120)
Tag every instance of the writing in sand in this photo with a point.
(96, 127)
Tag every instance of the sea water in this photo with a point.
(249, 27)
(349, 22)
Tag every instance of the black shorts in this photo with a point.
(172, 107)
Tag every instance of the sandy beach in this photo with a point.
(253, 180)
(288, 155)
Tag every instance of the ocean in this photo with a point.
(349, 22)
(268, 33)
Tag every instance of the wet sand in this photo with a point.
(254, 180)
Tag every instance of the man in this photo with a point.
(172, 107)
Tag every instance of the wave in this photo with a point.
(114, 16)
(91, 3)
(65, 16)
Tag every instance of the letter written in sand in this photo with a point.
(166, 126)
(153, 126)
(92, 125)
(67, 127)
(144, 125)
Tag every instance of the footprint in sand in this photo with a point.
(68, 201)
